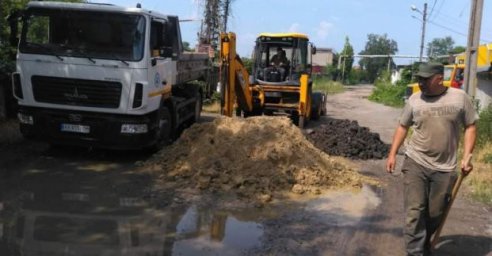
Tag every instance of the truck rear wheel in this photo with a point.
(198, 107)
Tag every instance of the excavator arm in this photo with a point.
(235, 86)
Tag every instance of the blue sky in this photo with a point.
(328, 22)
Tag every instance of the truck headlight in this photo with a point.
(25, 119)
(134, 128)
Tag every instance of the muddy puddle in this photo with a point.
(91, 224)
(344, 208)
(121, 226)
(215, 233)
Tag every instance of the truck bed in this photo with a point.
(192, 66)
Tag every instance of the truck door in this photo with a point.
(163, 60)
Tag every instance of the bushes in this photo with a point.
(481, 178)
(326, 85)
(388, 94)
(484, 127)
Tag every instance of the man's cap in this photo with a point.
(427, 70)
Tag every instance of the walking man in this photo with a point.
(436, 114)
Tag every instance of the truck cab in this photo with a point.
(103, 75)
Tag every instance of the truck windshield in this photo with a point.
(86, 34)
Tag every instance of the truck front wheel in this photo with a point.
(164, 129)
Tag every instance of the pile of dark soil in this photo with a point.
(346, 138)
(254, 158)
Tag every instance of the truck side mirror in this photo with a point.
(313, 50)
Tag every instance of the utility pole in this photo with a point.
(470, 81)
(424, 20)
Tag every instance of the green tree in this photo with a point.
(186, 46)
(458, 49)
(377, 45)
(347, 60)
(248, 64)
(6, 51)
(440, 46)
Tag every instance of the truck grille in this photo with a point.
(76, 92)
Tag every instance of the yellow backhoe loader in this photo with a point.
(280, 82)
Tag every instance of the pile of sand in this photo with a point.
(254, 157)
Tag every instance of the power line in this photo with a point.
(461, 25)
(450, 18)
(463, 9)
(440, 7)
(432, 9)
(483, 40)
(449, 29)
(458, 24)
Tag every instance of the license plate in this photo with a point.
(75, 128)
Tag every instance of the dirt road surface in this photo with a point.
(68, 201)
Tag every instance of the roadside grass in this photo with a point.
(212, 107)
(480, 180)
(388, 94)
(327, 85)
(9, 132)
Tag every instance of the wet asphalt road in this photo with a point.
(72, 201)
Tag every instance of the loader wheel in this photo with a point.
(317, 109)
(302, 122)
(316, 113)
(298, 120)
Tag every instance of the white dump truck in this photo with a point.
(102, 75)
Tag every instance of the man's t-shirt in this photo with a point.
(436, 122)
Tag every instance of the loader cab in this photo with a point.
(454, 75)
(281, 58)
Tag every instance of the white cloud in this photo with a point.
(294, 27)
(324, 29)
